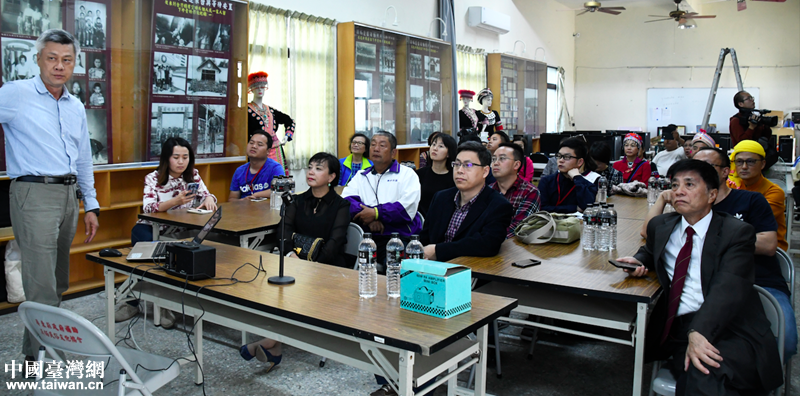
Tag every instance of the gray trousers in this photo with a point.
(44, 218)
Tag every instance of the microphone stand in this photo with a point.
(281, 279)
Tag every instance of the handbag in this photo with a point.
(543, 227)
(306, 247)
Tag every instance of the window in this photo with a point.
(471, 68)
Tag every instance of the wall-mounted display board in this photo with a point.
(395, 82)
(519, 86)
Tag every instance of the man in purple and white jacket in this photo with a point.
(384, 198)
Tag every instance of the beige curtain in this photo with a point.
(298, 52)
(471, 68)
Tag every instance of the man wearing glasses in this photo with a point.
(573, 187)
(523, 196)
(469, 219)
(742, 126)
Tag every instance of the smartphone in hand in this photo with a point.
(621, 265)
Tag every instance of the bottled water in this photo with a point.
(602, 189)
(414, 248)
(587, 239)
(603, 233)
(367, 269)
(613, 223)
(652, 192)
(394, 255)
(278, 187)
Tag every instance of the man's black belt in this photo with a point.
(65, 180)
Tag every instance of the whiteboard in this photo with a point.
(685, 106)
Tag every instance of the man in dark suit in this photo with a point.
(709, 319)
(470, 219)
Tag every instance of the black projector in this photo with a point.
(191, 261)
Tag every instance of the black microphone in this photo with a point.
(287, 198)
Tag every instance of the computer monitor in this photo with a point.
(723, 140)
(593, 132)
(549, 142)
(614, 142)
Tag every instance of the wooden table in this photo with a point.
(240, 219)
(629, 207)
(576, 285)
(322, 313)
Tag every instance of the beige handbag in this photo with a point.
(543, 227)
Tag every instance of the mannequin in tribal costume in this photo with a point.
(270, 118)
(488, 120)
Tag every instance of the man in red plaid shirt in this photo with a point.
(523, 196)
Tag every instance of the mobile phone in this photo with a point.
(620, 264)
(526, 263)
(192, 188)
(200, 211)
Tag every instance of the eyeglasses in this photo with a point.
(749, 162)
(500, 159)
(357, 143)
(465, 165)
(749, 98)
(565, 157)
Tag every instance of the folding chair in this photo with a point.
(787, 269)
(59, 329)
(663, 380)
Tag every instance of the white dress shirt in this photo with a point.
(692, 296)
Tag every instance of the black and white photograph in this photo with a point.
(213, 36)
(363, 85)
(415, 98)
(80, 64)
(416, 133)
(19, 59)
(388, 126)
(169, 73)
(415, 66)
(207, 77)
(427, 129)
(169, 120)
(432, 65)
(210, 129)
(90, 24)
(387, 60)
(387, 88)
(97, 66)
(174, 30)
(30, 17)
(96, 122)
(77, 87)
(97, 94)
(365, 56)
(432, 100)
(437, 127)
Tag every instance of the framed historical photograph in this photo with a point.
(97, 95)
(415, 126)
(97, 66)
(433, 100)
(365, 56)
(169, 120)
(387, 60)
(415, 66)
(363, 85)
(18, 59)
(375, 114)
(213, 36)
(169, 73)
(77, 87)
(432, 68)
(388, 126)
(174, 30)
(30, 17)
(210, 128)
(387, 88)
(97, 123)
(415, 100)
(80, 64)
(207, 77)
(90, 24)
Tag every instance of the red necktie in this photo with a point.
(678, 279)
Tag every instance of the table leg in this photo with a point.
(452, 383)
(405, 384)
(198, 347)
(155, 230)
(243, 242)
(638, 360)
(109, 275)
(480, 372)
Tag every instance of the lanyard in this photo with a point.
(630, 177)
(250, 183)
(558, 184)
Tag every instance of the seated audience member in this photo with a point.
(672, 153)
(438, 175)
(633, 167)
(713, 326)
(470, 219)
(495, 139)
(424, 157)
(526, 170)
(384, 198)
(573, 186)
(254, 179)
(601, 154)
(701, 140)
(166, 189)
(358, 158)
(317, 213)
(552, 164)
(687, 148)
(747, 162)
(523, 196)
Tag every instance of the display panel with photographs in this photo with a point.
(375, 80)
(23, 18)
(19, 59)
(425, 89)
(90, 24)
(190, 58)
(519, 93)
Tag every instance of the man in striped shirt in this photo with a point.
(523, 196)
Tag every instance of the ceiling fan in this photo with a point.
(680, 16)
(741, 5)
(594, 6)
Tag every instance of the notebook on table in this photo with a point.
(157, 250)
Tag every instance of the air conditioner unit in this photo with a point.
(486, 18)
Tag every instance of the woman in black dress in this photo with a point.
(438, 174)
(317, 213)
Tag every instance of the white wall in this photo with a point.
(615, 56)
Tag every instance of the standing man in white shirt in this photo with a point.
(672, 143)
(42, 120)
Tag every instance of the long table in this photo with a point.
(576, 285)
(322, 313)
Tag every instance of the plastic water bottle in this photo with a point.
(613, 213)
(587, 239)
(394, 255)
(367, 269)
(414, 249)
(602, 189)
(652, 192)
(603, 233)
